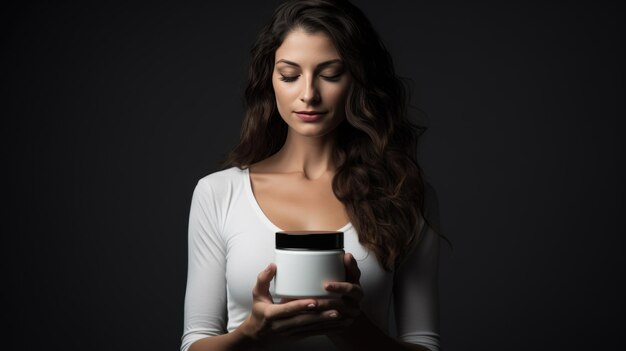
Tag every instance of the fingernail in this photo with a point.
(311, 305)
(328, 286)
(267, 269)
(334, 315)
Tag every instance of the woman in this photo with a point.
(325, 145)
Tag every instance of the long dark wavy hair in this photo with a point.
(378, 178)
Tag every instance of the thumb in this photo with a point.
(261, 291)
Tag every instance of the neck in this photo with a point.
(311, 156)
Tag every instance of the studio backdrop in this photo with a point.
(114, 111)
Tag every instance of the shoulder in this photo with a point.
(220, 181)
(221, 178)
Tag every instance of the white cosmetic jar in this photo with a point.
(305, 260)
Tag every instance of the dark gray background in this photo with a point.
(115, 111)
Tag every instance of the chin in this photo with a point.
(310, 132)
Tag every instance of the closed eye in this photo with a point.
(333, 78)
(287, 78)
(294, 78)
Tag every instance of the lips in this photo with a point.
(309, 112)
(309, 116)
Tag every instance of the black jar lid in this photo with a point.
(309, 240)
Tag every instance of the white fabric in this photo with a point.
(231, 241)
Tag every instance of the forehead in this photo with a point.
(306, 48)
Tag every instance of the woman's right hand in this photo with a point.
(270, 323)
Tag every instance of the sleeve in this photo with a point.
(205, 311)
(416, 292)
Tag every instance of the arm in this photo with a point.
(415, 299)
(230, 341)
(206, 316)
(416, 285)
(362, 334)
(205, 313)
(270, 323)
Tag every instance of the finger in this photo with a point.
(261, 290)
(353, 273)
(289, 309)
(349, 290)
(350, 310)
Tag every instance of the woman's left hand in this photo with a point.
(348, 305)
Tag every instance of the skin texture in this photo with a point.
(294, 186)
(310, 86)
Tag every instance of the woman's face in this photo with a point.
(310, 77)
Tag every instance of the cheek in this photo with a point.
(285, 95)
(336, 95)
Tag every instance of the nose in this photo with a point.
(310, 94)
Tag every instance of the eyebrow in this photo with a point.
(323, 64)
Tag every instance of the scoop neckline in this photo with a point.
(259, 211)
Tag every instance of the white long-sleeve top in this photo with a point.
(231, 241)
